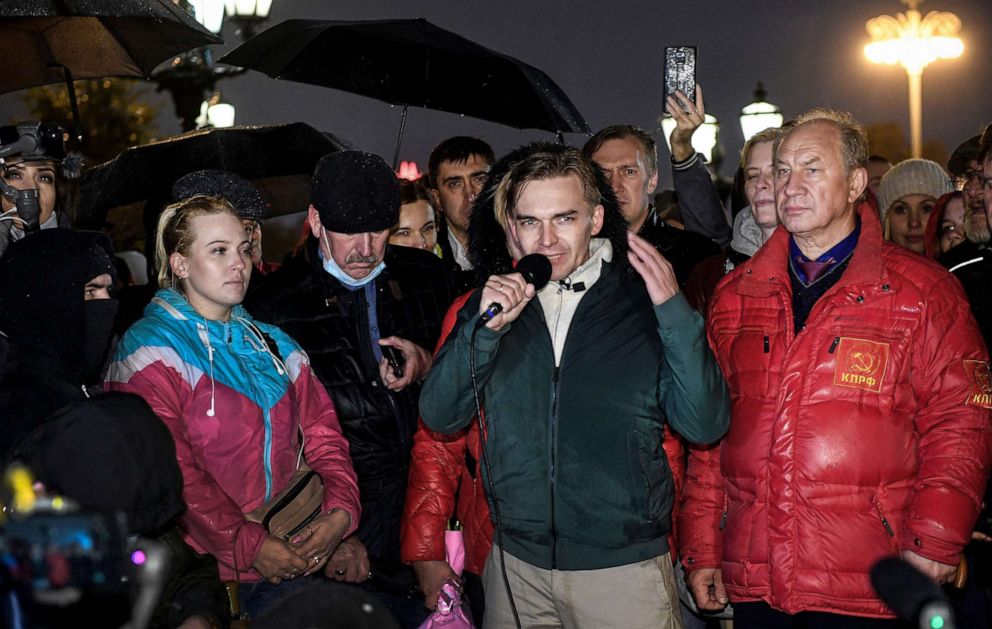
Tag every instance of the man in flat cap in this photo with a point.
(350, 300)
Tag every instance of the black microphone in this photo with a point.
(536, 270)
(912, 595)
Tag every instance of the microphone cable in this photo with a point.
(489, 476)
(536, 270)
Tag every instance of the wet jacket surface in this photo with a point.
(865, 434)
(237, 457)
(331, 323)
(444, 481)
(578, 465)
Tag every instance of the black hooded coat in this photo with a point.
(110, 452)
(43, 315)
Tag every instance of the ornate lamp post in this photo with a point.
(248, 15)
(914, 42)
(192, 77)
(760, 114)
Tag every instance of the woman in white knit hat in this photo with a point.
(906, 196)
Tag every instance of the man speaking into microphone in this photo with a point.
(577, 379)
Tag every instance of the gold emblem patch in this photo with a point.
(861, 363)
(981, 383)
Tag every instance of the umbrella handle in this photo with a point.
(77, 129)
(399, 139)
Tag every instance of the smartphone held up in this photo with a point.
(680, 73)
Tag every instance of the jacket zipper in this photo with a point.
(552, 447)
(881, 515)
(726, 508)
(227, 337)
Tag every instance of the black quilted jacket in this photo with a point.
(330, 322)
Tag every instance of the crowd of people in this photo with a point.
(728, 415)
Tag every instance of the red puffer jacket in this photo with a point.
(864, 434)
(439, 463)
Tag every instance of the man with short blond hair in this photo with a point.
(578, 378)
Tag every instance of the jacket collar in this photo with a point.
(600, 252)
(174, 305)
(747, 238)
(770, 265)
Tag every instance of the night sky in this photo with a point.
(608, 57)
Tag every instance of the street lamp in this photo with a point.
(192, 76)
(209, 13)
(215, 114)
(914, 42)
(704, 140)
(760, 114)
(248, 15)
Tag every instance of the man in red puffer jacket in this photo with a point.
(860, 390)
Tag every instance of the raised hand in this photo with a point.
(688, 118)
(656, 270)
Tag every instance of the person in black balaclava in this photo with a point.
(109, 452)
(56, 312)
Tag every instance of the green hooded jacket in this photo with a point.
(575, 450)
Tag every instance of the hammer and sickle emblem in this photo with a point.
(862, 361)
(983, 378)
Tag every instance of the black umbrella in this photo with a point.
(50, 41)
(411, 62)
(147, 172)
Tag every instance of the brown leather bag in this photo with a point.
(288, 512)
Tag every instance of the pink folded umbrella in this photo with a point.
(454, 550)
(450, 613)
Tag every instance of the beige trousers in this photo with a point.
(634, 596)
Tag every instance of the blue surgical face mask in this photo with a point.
(331, 267)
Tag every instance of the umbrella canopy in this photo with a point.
(91, 39)
(147, 172)
(412, 62)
